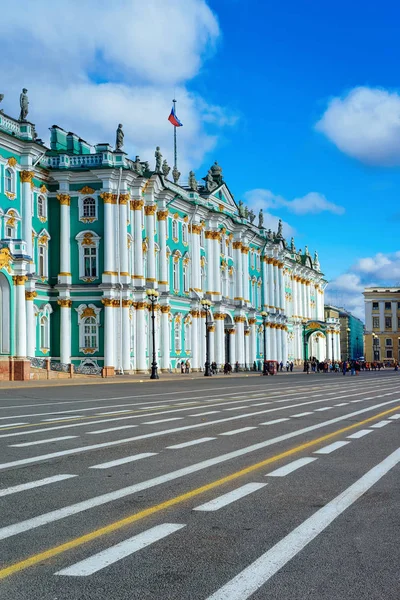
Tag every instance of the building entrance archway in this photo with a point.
(5, 315)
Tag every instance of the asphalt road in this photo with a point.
(283, 487)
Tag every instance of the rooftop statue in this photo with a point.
(175, 174)
(292, 246)
(316, 264)
(306, 251)
(1, 100)
(192, 182)
(119, 139)
(280, 228)
(252, 216)
(165, 168)
(246, 212)
(146, 166)
(158, 156)
(241, 209)
(261, 219)
(24, 103)
(137, 167)
(216, 171)
(210, 183)
(270, 235)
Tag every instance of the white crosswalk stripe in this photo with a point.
(103, 559)
(33, 484)
(123, 461)
(331, 447)
(230, 497)
(48, 441)
(292, 466)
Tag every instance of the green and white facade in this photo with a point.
(85, 230)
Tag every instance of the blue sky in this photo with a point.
(298, 101)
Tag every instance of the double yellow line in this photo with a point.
(112, 527)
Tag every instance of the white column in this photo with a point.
(337, 347)
(253, 342)
(109, 238)
(268, 342)
(126, 335)
(265, 282)
(30, 323)
(217, 265)
(26, 179)
(109, 334)
(308, 296)
(123, 239)
(381, 318)
(232, 347)
(150, 211)
(196, 267)
(245, 270)
(165, 339)
(237, 256)
(195, 342)
(294, 296)
(271, 285)
(65, 235)
(329, 345)
(219, 338)
(284, 345)
(163, 282)
(394, 317)
(240, 339)
(272, 347)
(65, 330)
(278, 343)
(281, 287)
(202, 338)
(211, 333)
(247, 352)
(141, 342)
(20, 316)
(138, 275)
(210, 261)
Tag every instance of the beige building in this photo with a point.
(382, 320)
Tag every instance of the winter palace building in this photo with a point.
(84, 231)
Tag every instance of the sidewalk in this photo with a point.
(126, 379)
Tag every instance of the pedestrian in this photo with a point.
(281, 366)
(187, 367)
(214, 368)
(307, 367)
(344, 368)
(182, 367)
(291, 367)
(237, 367)
(287, 366)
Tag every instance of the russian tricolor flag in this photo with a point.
(174, 119)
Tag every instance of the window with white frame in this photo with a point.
(10, 229)
(9, 181)
(90, 332)
(202, 238)
(186, 278)
(174, 229)
(177, 336)
(175, 273)
(222, 245)
(89, 323)
(388, 342)
(42, 260)
(89, 208)
(259, 304)
(258, 262)
(184, 233)
(187, 338)
(44, 333)
(41, 207)
(88, 243)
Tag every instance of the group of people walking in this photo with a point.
(346, 366)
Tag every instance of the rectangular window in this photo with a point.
(375, 305)
(375, 322)
(389, 353)
(89, 261)
(388, 322)
(388, 305)
(90, 336)
(388, 342)
(42, 261)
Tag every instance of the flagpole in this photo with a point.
(175, 150)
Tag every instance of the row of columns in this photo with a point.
(274, 286)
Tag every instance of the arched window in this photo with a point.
(44, 333)
(254, 292)
(175, 273)
(259, 303)
(258, 262)
(42, 261)
(175, 230)
(88, 243)
(186, 278)
(187, 338)
(9, 181)
(89, 207)
(177, 336)
(90, 332)
(41, 207)
(184, 233)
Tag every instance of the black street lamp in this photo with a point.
(374, 346)
(333, 352)
(153, 296)
(206, 304)
(305, 346)
(348, 343)
(357, 350)
(264, 318)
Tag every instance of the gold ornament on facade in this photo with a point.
(239, 319)
(43, 240)
(195, 314)
(26, 176)
(162, 215)
(124, 199)
(43, 189)
(230, 271)
(64, 199)
(86, 190)
(237, 245)
(87, 239)
(10, 195)
(19, 279)
(245, 249)
(137, 204)
(211, 328)
(144, 244)
(186, 218)
(221, 207)
(165, 309)
(30, 295)
(203, 261)
(141, 305)
(87, 312)
(107, 302)
(219, 316)
(196, 229)
(88, 350)
(247, 332)
(252, 321)
(150, 210)
(231, 331)
(12, 161)
(66, 303)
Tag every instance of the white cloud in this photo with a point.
(91, 65)
(365, 124)
(379, 270)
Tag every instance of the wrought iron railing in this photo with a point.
(38, 363)
(59, 366)
(88, 370)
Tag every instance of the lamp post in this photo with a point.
(153, 296)
(348, 342)
(264, 318)
(357, 349)
(333, 352)
(305, 347)
(206, 304)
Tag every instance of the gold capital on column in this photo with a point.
(107, 302)
(165, 309)
(237, 245)
(65, 303)
(26, 176)
(19, 279)
(219, 316)
(252, 321)
(150, 210)
(162, 215)
(196, 229)
(64, 199)
(137, 204)
(30, 295)
(123, 198)
(126, 303)
(107, 197)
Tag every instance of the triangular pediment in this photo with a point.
(222, 196)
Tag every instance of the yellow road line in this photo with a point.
(112, 527)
